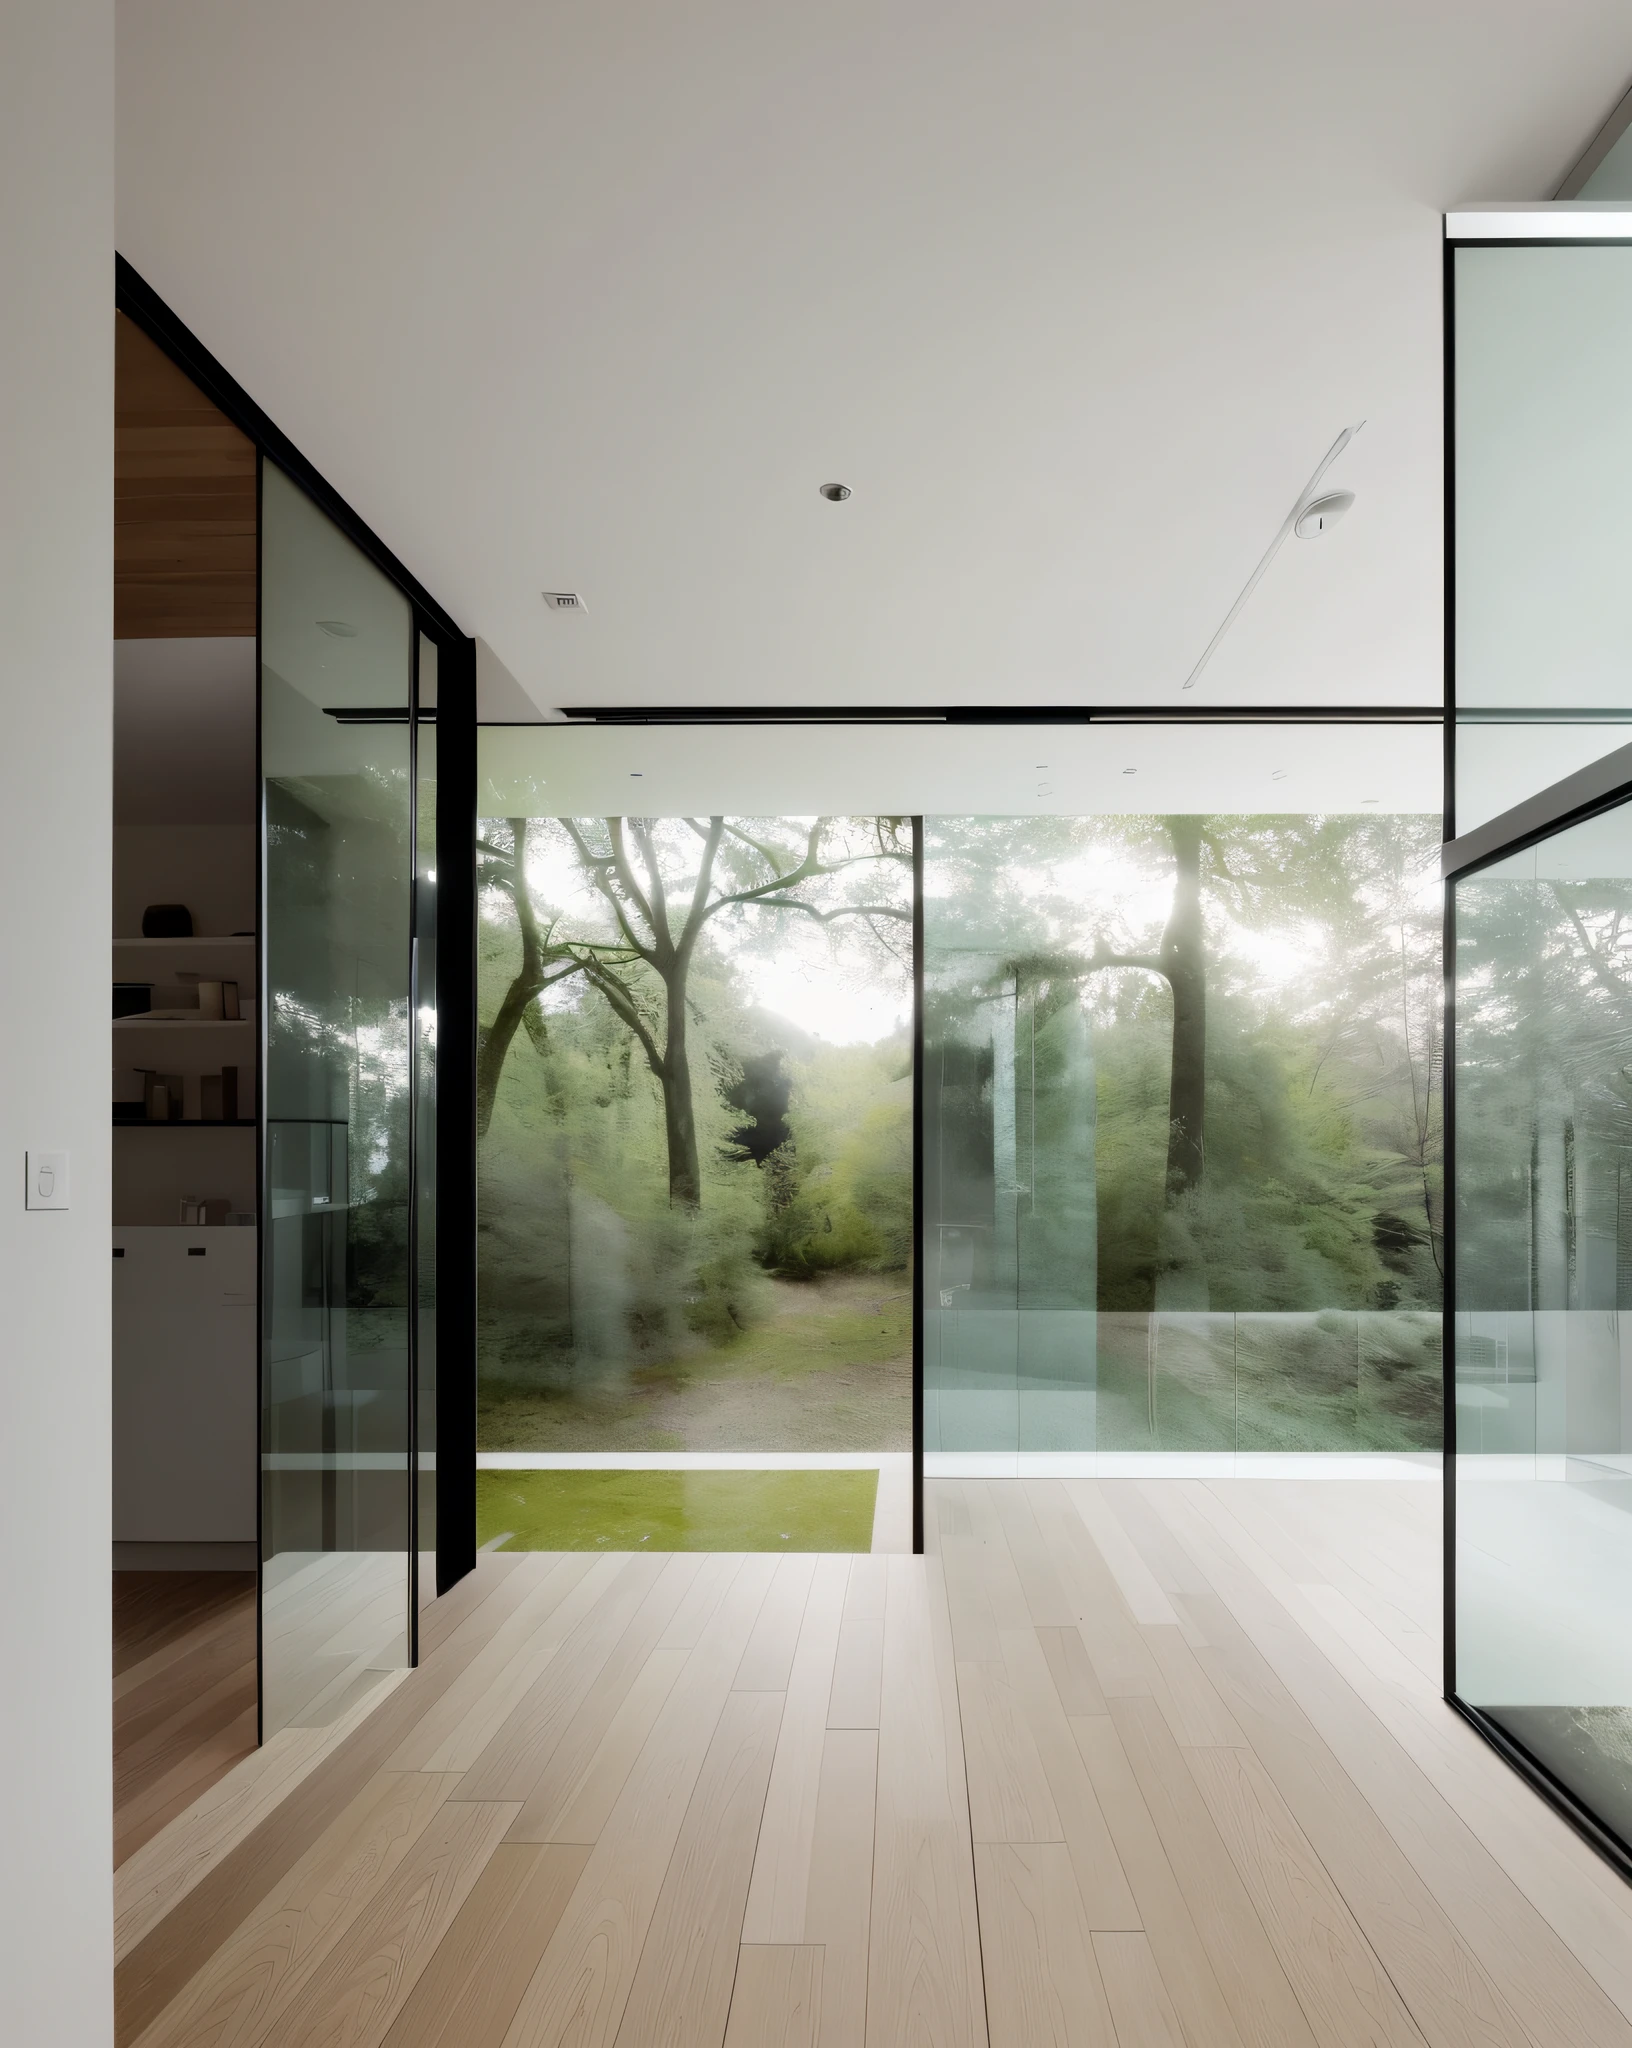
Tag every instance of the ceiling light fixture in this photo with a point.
(1304, 502)
(1321, 513)
(1277, 775)
(1130, 771)
(339, 629)
(835, 494)
(564, 601)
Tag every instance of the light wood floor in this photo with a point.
(1133, 1763)
(183, 1693)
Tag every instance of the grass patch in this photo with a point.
(677, 1510)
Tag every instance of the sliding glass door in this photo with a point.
(349, 1087)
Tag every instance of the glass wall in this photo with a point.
(1182, 1137)
(1180, 1145)
(1542, 411)
(694, 1116)
(1543, 1273)
(338, 1296)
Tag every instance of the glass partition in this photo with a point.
(1182, 1137)
(425, 1113)
(1542, 413)
(1543, 1273)
(337, 744)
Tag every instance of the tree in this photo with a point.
(661, 903)
(1181, 960)
(543, 963)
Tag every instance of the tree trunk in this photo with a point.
(1184, 962)
(495, 1045)
(679, 1120)
(529, 982)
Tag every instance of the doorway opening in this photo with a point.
(184, 1054)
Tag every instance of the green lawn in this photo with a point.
(565, 1510)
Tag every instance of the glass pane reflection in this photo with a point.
(1543, 1272)
(337, 1286)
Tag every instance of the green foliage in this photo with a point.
(838, 1196)
(590, 1275)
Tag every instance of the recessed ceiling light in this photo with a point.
(1370, 799)
(835, 494)
(635, 774)
(564, 601)
(339, 629)
(1277, 775)
(1130, 771)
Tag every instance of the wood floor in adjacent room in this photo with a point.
(183, 1693)
(1132, 1763)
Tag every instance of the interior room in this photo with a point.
(185, 1051)
(857, 787)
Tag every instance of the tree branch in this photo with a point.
(597, 866)
(622, 1004)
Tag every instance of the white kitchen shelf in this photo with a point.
(140, 1023)
(225, 940)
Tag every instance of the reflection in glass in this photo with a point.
(1182, 1128)
(1543, 1271)
(337, 1292)
(1543, 444)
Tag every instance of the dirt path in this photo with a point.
(829, 1370)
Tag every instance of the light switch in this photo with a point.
(48, 1180)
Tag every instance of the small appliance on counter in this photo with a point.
(167, 921)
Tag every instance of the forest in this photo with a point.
(695, 1139)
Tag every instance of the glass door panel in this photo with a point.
(338, 1294)
(425, 997)
(1543, 1275)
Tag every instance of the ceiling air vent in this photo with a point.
(565, 601)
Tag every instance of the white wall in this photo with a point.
(56, 594)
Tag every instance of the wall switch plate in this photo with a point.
(47, 1180)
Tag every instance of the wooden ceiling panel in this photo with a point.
(183, 503)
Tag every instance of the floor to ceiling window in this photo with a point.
(1178, 1190)
(1183, 1134)
(696, 1198)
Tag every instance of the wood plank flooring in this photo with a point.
(1133, 1764)
(183, 1693)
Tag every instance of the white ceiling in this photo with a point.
(594, 295)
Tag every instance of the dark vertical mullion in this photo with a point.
(1448, 1307)
(1448, 1118)
(456, 1111)
(263, 1239)
(413, 1140)
(918, 1186)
